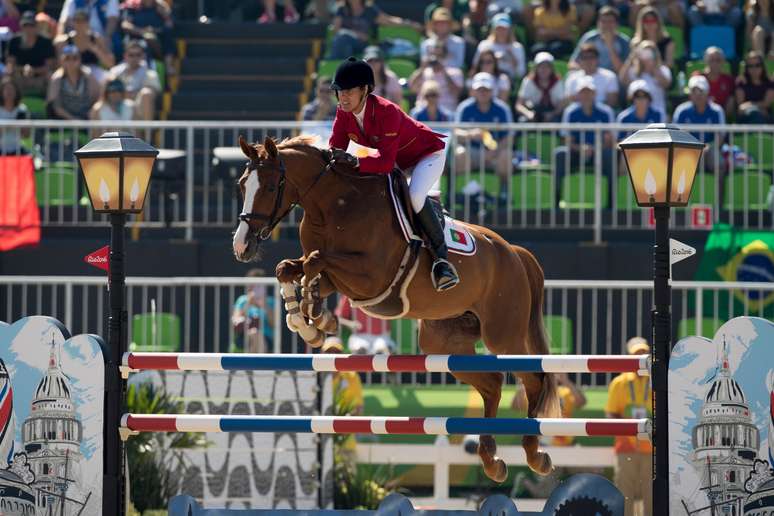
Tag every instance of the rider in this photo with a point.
(373, 121)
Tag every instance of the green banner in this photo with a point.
(732, 254)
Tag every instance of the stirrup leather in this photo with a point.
(451, 283)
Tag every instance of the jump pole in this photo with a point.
(384, 363)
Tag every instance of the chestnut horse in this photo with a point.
(352, 242)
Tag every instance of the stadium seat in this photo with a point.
(704, 190)
(532, 190)
(678, 36)
(155, 332)
(403, 332)
(626, 31)
(759, 147)
(560, 333)
(327, 67)
(521, 34)
(540, 145)
(561, 67)
(578, 192)
(770, 66)
(403, 68)
(687, 327)
(746, 190)
(698, 66)
(490, 181)
(625, 198)
(704, 36)
(56, 185)
(36, 106)
(399, 32)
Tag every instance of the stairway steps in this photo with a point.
(191, 29)
(240, 83)
(219, 66)
(233, 101)
(177, 114)
(254, 49)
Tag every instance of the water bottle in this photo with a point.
(681, 81)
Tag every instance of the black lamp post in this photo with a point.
(662, 162)
(116, 168)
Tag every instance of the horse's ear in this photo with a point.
(270, 147)
(248, 149)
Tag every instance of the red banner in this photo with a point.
(19, 213)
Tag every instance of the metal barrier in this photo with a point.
(538, 186)
(582, 317)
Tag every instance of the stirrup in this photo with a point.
(453, 282)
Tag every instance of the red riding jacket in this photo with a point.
(399, 138)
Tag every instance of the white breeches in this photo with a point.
(426, 175)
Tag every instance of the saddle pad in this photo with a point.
(458, 238)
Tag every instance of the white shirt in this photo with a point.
(530, 92)
(446, 98)
(140, 78)
(111, 11)
(505, 64)
(361, 116)
(656, 91)
(125, 111)
(605, 81)
(455, 50)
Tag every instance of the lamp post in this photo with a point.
(662, 161)
(116, 168)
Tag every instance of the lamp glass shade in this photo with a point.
(648, 168)
(102, 181)
(685, 163)
(137, 173)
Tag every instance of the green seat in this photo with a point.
(540, 145)
(56, 185)
(36, 106)
(400, 32)
(677, 35)
(625, 198)
(161, 70)
(746, 190)
(759, 147)
(491, 182)
(698, 66)
(403, 68)
(709, 193)
(532, 190)
(403, 332)
(770, 66)
(560, 67)
(559, 330)
(626, 31)
(155, 332)
(327, 67)
(687, 327)
(578, 192)
(521, 34)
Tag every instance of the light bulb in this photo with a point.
(681, 187)
(134, 193)
(104, 193)
(650, 184)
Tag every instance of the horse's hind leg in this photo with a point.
(538, 461)
(458, 336)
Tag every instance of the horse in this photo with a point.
(353, 244)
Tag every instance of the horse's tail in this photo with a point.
(537, 342)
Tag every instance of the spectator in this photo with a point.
(72, 90)
(554, 24)
(270, 12)
(671, 11)
(250, 319)
(510, 53)
(541, 95)
(30, 58)
(386, 83)
(95, 54)
(645, 63)
(323, 107)
(650, 27)
(630, 396)
(12, 109)
(474, 25)
(579, 147)
(457, 9)
(487, 62)
(151, 21)
(699, 109)
(715, 12)
(605, 81)
(428, 108)
(612, 47)
(754, 91)
(760, 26)
(450, 80)
(353, 24)
(113, 106)
(488, 149)
(369, 334)
(640, 110)
(9, 16)
(142, 83)
(622, 6)
(440, 33)
(103, 16)
(46, 25)
(721, 83)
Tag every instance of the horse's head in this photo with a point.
(263, 189)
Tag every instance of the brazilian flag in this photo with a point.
(732, 254)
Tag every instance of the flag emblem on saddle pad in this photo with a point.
(458, 238)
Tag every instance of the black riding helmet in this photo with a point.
(352, 73)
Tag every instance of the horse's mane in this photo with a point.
(302, 140)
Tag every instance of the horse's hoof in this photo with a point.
(543, 465)
(497, 470)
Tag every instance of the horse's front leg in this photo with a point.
(289, 272)
(315, 286)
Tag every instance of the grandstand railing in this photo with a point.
(197, 191)
(582, 316)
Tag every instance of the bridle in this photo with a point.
(272, 219)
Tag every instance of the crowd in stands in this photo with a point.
(99, 60)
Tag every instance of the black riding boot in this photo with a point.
(444, 275)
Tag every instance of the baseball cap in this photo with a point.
(70, 50)
(543, 57)
(638, 85)
(501, 20)
(585, 83)
(483, 80)
(700, 82)
(28, 18)
(441, 14)
(372, 52)
(332, 344)
(637, 345)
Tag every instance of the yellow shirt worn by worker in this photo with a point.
(630, 396)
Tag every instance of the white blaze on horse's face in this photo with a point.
(243, 230)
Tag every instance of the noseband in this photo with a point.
(272, 219)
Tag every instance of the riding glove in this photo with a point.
(341, 156)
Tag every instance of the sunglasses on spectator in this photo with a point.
(753, 65)
(431, 95)
(641, 96)
(135, 54)
(72, 57)
(487, 61)
(588, 56)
